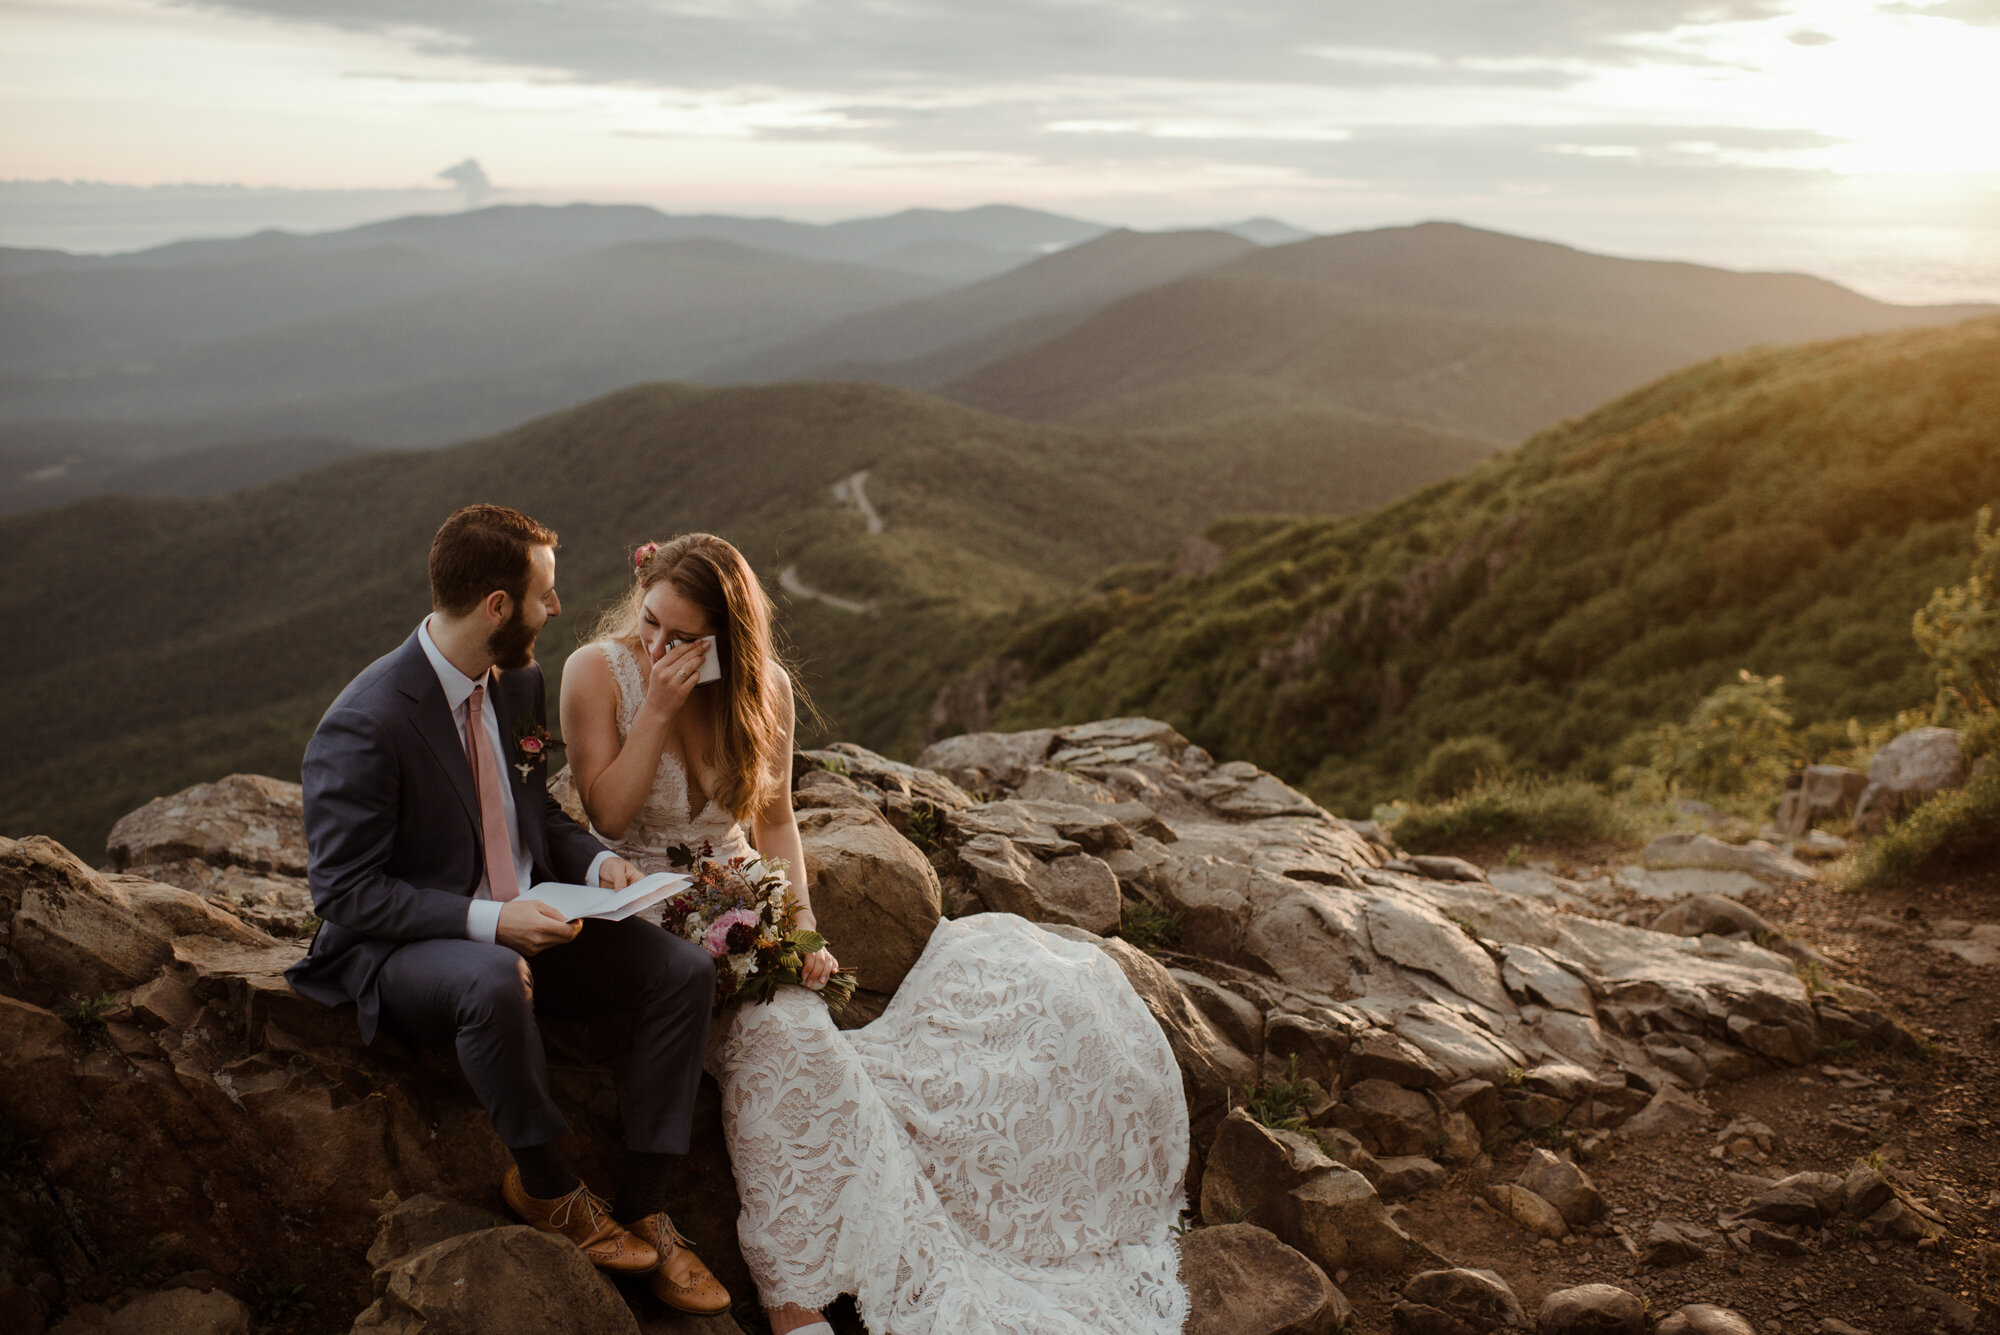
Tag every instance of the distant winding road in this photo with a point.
(848, 491)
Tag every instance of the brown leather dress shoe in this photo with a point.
(680, 1280)
(586, 1221)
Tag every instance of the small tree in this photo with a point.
(1959, 631)
(1737, 740)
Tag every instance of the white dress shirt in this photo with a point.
(482, 917)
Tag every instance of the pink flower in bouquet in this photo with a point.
(717, 939)
(532, 745)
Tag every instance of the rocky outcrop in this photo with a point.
(1404, 1013)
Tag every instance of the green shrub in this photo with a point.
(1949, 827)
(1535, 810)
(1458, 766)
(1738, 740)
(1959, 630)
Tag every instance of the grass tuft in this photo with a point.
(1535, 810)
(1282, 1106)
(1147, 928)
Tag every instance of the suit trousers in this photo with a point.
(476, 997)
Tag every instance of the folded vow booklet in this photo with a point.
(585, 901)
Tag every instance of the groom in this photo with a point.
(425, 818)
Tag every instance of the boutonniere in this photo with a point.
(532, 744)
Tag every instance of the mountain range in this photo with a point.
(426, 330)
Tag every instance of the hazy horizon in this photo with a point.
(1855, 139)
(1913, 265)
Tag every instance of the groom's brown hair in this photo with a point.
(479, 549)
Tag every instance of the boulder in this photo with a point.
(171, 1312)
(499, 1281)
(1479, 1299)
(874, 894)
(1397, 1121)
(1825, 792)
(1077, 890)
(1381, 1055)
(1406, 1175)
(423, 1221)
(245, 820)
(1240, 790)
(1284, 1182)
(1236, 1019)
(1907, 770)
(1680, 848)
(988, 761)
(1242, 1280)
(1864, 1191)
(1591, 1309)
(1918, 763)
(1712, 915)
(1802, 1198)
(1704, 1319)
(902, 788)
(1563, 1185)
(1667, 1113)
(1528, 1210)
(1318, 1047)
(1671, 1242)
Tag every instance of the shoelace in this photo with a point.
(598, 1211)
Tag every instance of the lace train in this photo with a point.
(1001, 1151)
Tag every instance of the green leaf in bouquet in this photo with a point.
(807, 941)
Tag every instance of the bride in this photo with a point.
(1002, 1150)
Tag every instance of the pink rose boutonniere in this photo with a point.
(532, 744)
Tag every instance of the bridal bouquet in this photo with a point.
(742, 911)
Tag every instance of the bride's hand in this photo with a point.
(817, 968)
(674, 675)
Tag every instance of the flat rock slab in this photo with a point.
(1676, 883)
(1980, 945)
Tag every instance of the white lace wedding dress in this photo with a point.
(1001, 1151)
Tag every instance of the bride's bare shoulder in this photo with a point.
(592, 672)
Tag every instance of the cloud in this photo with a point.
(884, 45)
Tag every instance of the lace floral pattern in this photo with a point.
(1001, 1151)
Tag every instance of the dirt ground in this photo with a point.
(1932, 1118)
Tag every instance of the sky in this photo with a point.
(1854, 138)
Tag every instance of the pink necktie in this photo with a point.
(500, 879)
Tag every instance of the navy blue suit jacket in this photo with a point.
(393, 843)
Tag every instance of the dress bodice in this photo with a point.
(664, 820)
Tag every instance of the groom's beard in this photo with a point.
(512, 645)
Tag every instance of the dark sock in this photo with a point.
(544, 1175)
(642, 1186)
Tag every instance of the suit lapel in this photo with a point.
(431, 717)
(511, 700)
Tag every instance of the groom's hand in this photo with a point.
(616, 874)
(530, 926)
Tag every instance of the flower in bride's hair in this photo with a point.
(642, 555)
(722, 929)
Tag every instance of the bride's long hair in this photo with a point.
(750, 729)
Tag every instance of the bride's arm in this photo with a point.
(613, 779)
(777, 836)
